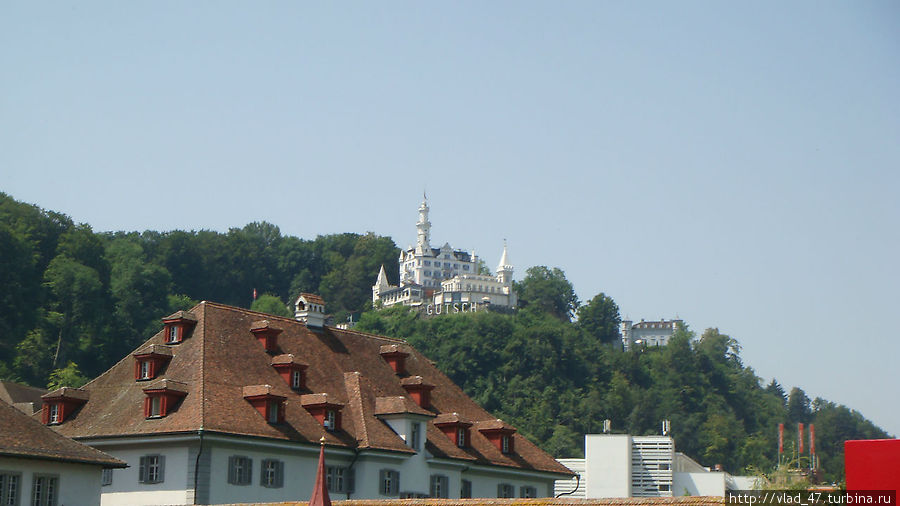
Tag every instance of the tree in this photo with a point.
(600, 319)
(798, 406)
(271, 304)
(548, 290)
(68, 376)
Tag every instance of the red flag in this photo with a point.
(780, 438)
(800, 436)
(320, 489)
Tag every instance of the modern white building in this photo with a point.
(621, 465)
(648, 333)
(227, 405)
(442, 277)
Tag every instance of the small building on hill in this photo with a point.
(227, 405)
(40, 467)
(648, 333)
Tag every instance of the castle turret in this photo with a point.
(504, 269)
(423, 230)
(381, 284)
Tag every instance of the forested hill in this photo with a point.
(72, 296)
(73, 302)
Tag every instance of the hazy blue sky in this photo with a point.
(734, 164)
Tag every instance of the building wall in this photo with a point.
(299, 470)
(573, 487)
(702, 483)
(607, 465)
(126, 488)
(78, 484)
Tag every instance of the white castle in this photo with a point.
(444, 279)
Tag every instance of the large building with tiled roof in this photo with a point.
(228, 405)
(39, 466)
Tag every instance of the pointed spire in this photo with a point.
(382, 281)
(504, 259)
(320, 490)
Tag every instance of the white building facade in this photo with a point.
(621, 465)
(648, 333)
(443, 276)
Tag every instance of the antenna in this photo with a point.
(607, 425)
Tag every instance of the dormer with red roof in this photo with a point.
(291, 370)
(395, 355)
(178, 326)
(454, 427)
(325, 410)
(419, 390)
(310, 309)
(61, 403)
(264, 400)
(266, 334)
(149, 361)
(499, 433)
(162, 397)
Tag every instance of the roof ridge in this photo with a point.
(219, 305)
(373, 336)
(355, 401)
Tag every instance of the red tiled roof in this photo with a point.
(22, 436)
(311, 297)
(68, 393)
(398, 405)
(220, 356)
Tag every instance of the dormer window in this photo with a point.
(291, 370)
(266, 402)
(499, 434)
(61, 403)
(325, 410)
(177, 326)
(418, 390)
(162, 397)
(150, 360)
(454, 427)
(266, 335)
(395, 355)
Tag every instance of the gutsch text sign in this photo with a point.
(451, 307)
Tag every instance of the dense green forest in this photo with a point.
(74, 302)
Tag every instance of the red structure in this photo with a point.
(872, 464)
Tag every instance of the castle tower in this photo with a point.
(380, 284)
(423, 230)
(504, 269)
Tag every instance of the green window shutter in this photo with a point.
(162, 469)
(231, 477)
(142, 470)
(279, 474)
(248, 475)
(395, 483)
(382, 476)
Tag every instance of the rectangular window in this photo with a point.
(296, 380)
(461, 437)
(9, 488)
(273, 411)
(415, 435)
(172, 336)
(105, 478)
(330, 420)
(156, 406)
(339, 479)
(145, 369)
(465, 490)
(439, 486)
(504, 443)
(389, 482)
(527, 492)
(239, 470)
(54, 413)
(152, 469)
(272, 473)
(505, 490)
(44, 490)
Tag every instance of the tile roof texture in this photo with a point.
(220, 356)
(23, 437)
(23, 397)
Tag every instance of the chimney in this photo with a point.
(310, 309)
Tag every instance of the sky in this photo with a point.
(732, 164)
